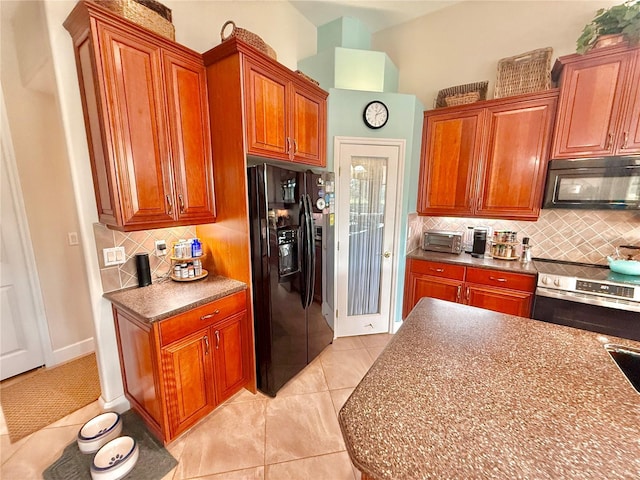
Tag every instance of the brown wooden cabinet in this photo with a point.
(487, 159)
(147, 122)
(496, 290)
(177, 370)
(285, 114)
(599, 108)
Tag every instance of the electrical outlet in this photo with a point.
(114, 256)
(161, 248)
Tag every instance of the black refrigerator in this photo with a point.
(290, 225)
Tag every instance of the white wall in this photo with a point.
(45, 179)
(198, 26)
(463, 43)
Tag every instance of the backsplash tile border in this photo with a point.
(586, 236)
(125, 275)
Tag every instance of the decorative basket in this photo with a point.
(307, 77)
(247, 37)
(149, 14)
(462, 94)
(524, 73)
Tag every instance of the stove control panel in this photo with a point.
(556, 281)
(605, 289)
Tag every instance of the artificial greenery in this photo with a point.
(623, 19)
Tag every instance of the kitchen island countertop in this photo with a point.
(467, 260)
(167, 298)
(462, 392)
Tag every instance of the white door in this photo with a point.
(20, 345)
(367, 201)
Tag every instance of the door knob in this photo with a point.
(386, 254)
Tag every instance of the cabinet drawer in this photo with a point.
(497, 278)
(178, 327)
(437, 269)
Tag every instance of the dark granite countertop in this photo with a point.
(461, 392)
(168, 298)
(467, 260)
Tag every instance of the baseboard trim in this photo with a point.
(73, 351)
(119, 404)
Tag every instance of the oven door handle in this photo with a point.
(589, 299)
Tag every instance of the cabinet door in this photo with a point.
(515, 162)
(266, 113)
(501, 300)
(188, 380)
(451, 146)
(309, 128)
(630, 131)
(590, 106)
(230, 343)
(418, 286)
(132, 82)
(188, 115)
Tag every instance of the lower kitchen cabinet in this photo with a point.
(176, 371)
(496, 290)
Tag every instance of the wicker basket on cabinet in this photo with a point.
(525, 73)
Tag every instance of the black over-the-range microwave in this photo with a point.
(594, 183)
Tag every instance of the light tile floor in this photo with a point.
(250, 437)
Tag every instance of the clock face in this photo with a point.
(376, 114)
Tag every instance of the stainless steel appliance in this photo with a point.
(287, 259)
(441, 241)
(590, 297)
(598, 183)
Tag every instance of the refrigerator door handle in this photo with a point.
(302, 254)
(311, 254)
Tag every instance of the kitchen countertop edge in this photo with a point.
(166, 299)
(467, 260)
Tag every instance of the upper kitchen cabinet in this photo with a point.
(147, 123)
(599, 108)
(487, 159)
(284, 113)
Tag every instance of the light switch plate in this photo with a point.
(114, 256)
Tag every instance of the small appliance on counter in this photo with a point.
(143, 270)
(442, 241)
(480, 237)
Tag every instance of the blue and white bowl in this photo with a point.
(115, 459)
(98, 431)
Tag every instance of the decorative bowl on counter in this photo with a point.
(624, 263)
(98, 431)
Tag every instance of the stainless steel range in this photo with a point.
(590, 297)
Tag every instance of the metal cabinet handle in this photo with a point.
(609, 141)
(217, 334)
(206, 345)
(295, 146)
(468, 293)
(170, 203)
(288, 145)
(459, 293)
(181, 203)
(439, 270)
(498, 279)
(209, 315)
(625, 140)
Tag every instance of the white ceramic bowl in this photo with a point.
(115, 459)
(98, 431)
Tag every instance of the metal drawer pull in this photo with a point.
(609, 141)
(439, 270)
(459, 292)
(217, 333)
(170, 205)
(498, 279)
(625, 140)
(209, 315)
(206, 345)
(181, 203)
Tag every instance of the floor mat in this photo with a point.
(48, 395)
(154, 461)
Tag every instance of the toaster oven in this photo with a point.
(441, 241)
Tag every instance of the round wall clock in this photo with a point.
(375, 114)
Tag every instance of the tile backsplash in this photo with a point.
(122, 276)
(572, 235)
